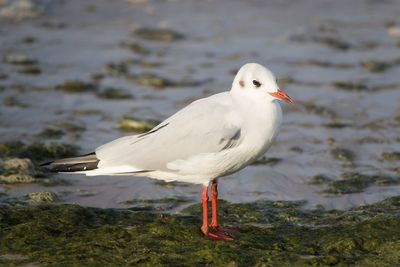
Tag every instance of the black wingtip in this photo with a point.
(85, 162)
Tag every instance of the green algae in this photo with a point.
(113, 94)
(76, 86)
(329, 41)
(335, 124)
(117, 69)
(162, 204)
(136, 48)
(30, 70)
(353, 182)
(319, 110)
(51, 133)
(266, 161)
(319, 179)
(159, 82)
(29, 39)
(36, 151)
(361, 86)
(296, 149)
(350, 86)
(343, 154)
(164, 35)
(375, 66)
(272, 233)
(332, 42)
(122, 69)
(391, 156)
(12, 101)
(327, 64)
(43, 197)
(18, 59)
(71, 127)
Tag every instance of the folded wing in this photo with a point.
(208, 125)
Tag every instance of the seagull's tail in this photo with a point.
(76, 164)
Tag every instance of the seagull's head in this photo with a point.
(256, 81)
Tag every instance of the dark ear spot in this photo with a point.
(241, 83)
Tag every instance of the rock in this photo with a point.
(16, 179)
(43, 197)
(17, 171)
(134, 125)
(17, 165)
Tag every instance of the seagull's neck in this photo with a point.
(262, 120)
(256, 109)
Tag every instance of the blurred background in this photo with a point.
(76, 74)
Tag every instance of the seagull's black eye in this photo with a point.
(256, 83)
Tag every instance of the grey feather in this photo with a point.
(206, 126)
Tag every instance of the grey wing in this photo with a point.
(208, 125)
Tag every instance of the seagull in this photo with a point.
(210, 138)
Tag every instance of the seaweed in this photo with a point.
(76, 86)
(36, 151)
(354, 182)
(266, 161)
(273, 233)
(43, 197)
(18, 59)
(343, 154)
(113, 94)
(136, 48)
(391, 156)
(51, 133)
(152, 34)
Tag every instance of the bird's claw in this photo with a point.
(220, 233)
(218, 236)
(224, 230)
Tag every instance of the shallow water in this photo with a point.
(74, 40)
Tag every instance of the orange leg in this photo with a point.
(214, 204)
(214, 201)
(204, 228)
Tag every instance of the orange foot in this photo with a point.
(218, 236)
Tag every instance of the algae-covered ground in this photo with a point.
(271, 234)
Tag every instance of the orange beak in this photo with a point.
(281, 95)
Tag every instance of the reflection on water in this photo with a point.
(341, 65)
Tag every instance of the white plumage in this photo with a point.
(210, 138)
